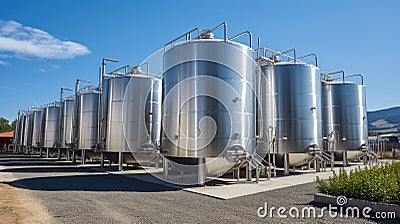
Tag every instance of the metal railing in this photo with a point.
(204, 33)
(328, 77)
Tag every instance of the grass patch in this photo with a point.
(379, 183)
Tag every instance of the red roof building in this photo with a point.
(6, 139)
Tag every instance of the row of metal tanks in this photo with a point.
(224, 105)
(91, 121)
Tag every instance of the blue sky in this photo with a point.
(45, 45)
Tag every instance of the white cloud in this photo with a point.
(32, 42)
(4, 56)
(41, 70)
(4, 63)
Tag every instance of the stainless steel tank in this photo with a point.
(266, 109)
(50, 126)
(29, 132)
(208, 78)
(67, 123)
(345, 116)
(25, 133)
(36, 127)
(87, 119)
(297, 93)
(15, 134)
(122, 131)
(18, 130)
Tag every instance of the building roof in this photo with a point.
(9, 134)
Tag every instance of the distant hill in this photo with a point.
(384, 121)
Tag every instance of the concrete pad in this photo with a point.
(230, 188)
(243, 189)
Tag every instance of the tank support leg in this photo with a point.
(120, 161)
(83, 157)
(165, 168)
(257, 174)
(248, 172)
(47, 152)
(201, 172)
(157, 162)
(317, 163)
(101, 160)
(344, 154)
(73, 156)
(286, 164)
(59, 154)
(365, 158)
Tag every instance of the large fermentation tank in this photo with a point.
(138, 128)
(87, 119)
(18, 134)
(345, 116)
(29, 128)
(50, 126)
(67, 123)
(25, 133)
(296, 89)
(266, 109)
(36, 127)
(15, 134)
(208, 78)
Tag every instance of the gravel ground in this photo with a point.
(90, 197)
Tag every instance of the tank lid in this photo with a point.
(137, 70)
(206, 34)
(276, 58)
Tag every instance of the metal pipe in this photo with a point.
(62, 93)
(243, 33)
(285, 52)
(116, 70)
(308, 55)
(264, 57)
(60, 116)
(102, 73)
(338, 72)
(147, 67)
(103, 70)
(217, 27)
(187, 35)
(77, 83)
(357, 75)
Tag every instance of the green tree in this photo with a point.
(4, 125)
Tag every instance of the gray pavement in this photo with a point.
(75, 194)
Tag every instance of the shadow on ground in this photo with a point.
(55, 169)
(100, 182)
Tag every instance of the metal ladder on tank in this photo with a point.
(370, 156)
(328, 156)
(262, 166)
(321, 159)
